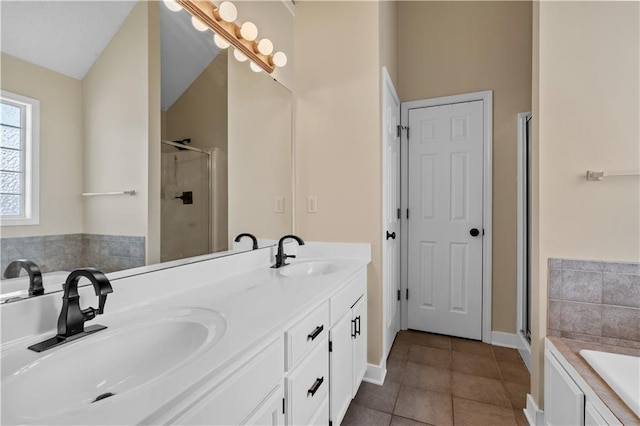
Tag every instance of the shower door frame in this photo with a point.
(210, 153)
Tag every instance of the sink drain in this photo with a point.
(102, 396)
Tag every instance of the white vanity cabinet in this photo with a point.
(348, 346)
(568, 400)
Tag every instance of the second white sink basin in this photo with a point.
(136, 351)
(311, 268)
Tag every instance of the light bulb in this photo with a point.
(198, 24)
(249, 31)
(265, 46)
(228, 11)
(255, 67)
(220, 42)
(239, 55)
(279, 59)
(172, 5)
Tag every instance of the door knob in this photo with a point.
(391, 235)
(474, 232)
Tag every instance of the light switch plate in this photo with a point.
(312, 204)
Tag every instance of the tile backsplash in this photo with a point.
(71, 251)
(595, 301)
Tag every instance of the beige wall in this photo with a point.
(589, 119)
(388, 35)
(200, 113)
(259, 154)
(448, 48)
(155, 130)
(118, 131)
(60, 145)
(337, 138)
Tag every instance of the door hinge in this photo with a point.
(482, 231)
(398, 294)
(407, 213)
(282, 405)
(330, 346)
(398, 213)
(399, 130)
(407, 294)
(330, 423)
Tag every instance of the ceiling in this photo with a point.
(68, 37)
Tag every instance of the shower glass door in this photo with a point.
(186, 203)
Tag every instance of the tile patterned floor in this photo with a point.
(439, 380)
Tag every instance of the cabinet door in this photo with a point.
(359, 316)
(563, 399)
(340, 368)
(270, 412)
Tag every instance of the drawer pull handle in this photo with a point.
(354, 331)
(358, 325)
(315, 332)
(316, 385)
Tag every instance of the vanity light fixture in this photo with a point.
(221, 19)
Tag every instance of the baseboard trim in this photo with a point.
(535, 416)
(525, 351)
(507, 340)
(376, 373)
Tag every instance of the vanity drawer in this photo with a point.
(342, 301)
(302, 337)
(307, 386)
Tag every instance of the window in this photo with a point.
(19, 195)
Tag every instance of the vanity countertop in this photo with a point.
(258, 304)
(570, 350)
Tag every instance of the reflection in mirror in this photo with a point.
(140, 101)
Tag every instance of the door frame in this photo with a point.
(524, 347)
(487, 219)
(388, 83)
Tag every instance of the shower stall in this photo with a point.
(187, 201)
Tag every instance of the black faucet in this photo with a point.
(35, 276)
(72, 318)
(255, 240)
(281, 256)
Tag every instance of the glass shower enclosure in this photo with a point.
(186, 201)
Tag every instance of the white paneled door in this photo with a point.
(445, 219)
(391, 210)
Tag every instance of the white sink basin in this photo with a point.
(312, 268)
(621, 372)
(135, 350)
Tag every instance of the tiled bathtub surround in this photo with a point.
(595, 301)
(67, 252)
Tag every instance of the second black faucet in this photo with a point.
(281, 256)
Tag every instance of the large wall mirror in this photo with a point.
(138, 100)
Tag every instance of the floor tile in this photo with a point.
(424, 406)
(521, 419)
(517, 394)
(481, 389)
(401, 421)
(381, 398)
(400, 351)
(472, 346)
(474, 413)
(427, 377)
(430, 356)
(429, 339)
(515, 372)
(506, 354)
(470, 363)
(395, 370)
(358, 415)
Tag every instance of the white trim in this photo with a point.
(376, 373)
(524, 348)
(487, 242)
(386, 83)
(521, 238)
(506, 340)
(32, 161)
(534, 415)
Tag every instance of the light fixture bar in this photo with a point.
(207, 11)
